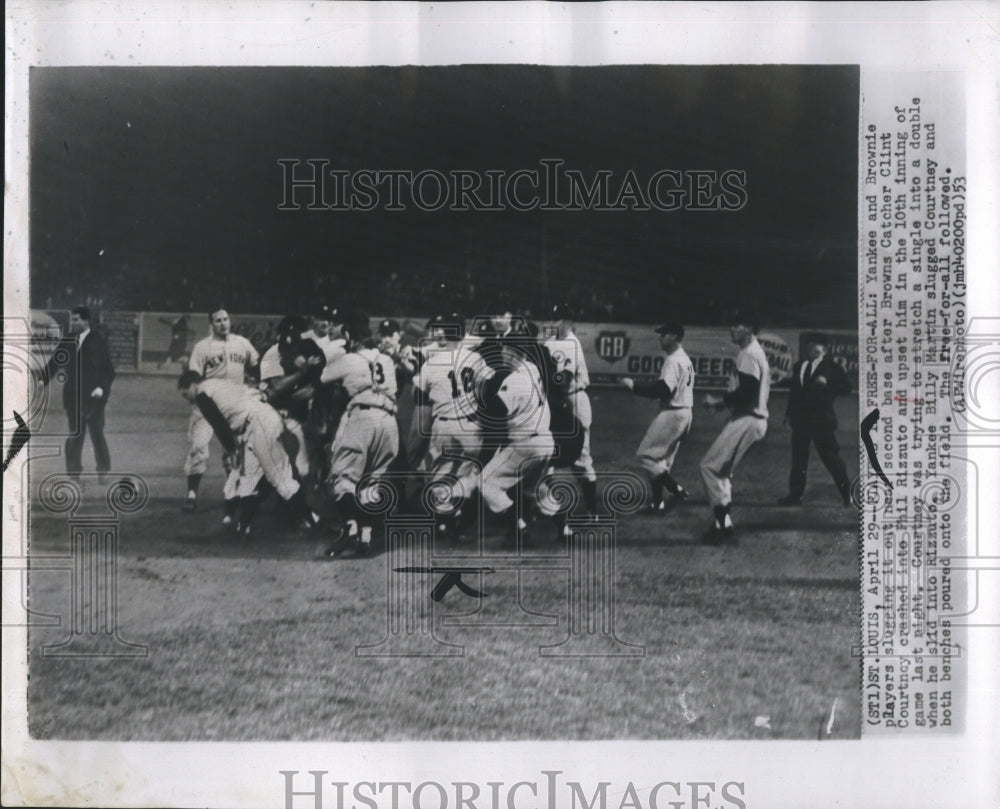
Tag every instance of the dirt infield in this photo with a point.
(255, 640)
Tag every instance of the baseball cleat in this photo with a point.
(227, 520)
(677, 499)
(657, 508)
(190, 505)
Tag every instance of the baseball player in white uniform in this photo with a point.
(449, 381)
(221, 355)
(367, 438)
(571, 375)
(325, 332)
(747, 399)
(235, 413)
(525, 457)
(675, 390)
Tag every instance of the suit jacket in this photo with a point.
(810, 405)
(89, 367)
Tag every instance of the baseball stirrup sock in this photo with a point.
(671, 485)
(194, 481)
(248, 508)
(347, 505)
(299, 506)
(231, 507)
(657, 485)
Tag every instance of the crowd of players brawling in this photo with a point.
(498, 409)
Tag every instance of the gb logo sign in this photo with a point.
(612, 345)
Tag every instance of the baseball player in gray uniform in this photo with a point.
(236, 412)
(221, 355)
(571, 369)
(367, 437)
(675, 390)
(747, 400)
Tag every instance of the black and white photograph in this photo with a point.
(409, 407)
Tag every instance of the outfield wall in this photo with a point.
(140, 342)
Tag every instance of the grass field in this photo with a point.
(256, 640)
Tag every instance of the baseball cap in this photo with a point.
(321, 312)
(388, 326)
(291, 324)
(562, 311)
(745, 317)
(671, 327)
(356, 324)
(816, 337)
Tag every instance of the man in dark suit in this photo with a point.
(816, 381)
(89, 374)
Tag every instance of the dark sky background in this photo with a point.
(173, 174)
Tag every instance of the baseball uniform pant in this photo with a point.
(724, 455)
(455, 446)
(90, 419)
(525, 461)
(263, 441)
(829, 453)
(418, 437)
(367, 441)
(659, 446)
(246, 473)
(580, 405)
(199, 437)
(294, 439)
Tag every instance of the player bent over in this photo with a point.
(675, 390)
(525, 457)
(747, 398)
(367, 438)
(221, 355)
(235, 410)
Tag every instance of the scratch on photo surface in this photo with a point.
(833, 716)
(689, 716)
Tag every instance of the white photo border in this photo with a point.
(913, 770)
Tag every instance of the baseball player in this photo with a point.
(367, 438)
(526, 455)
(450, 381)
(572, 377)
(325, 332)
(235, 411)
(289, 376)
(221, 355)
(675, 390)
(747, 400)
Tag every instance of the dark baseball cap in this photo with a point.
(388, 326)
(816, 337)
(671, 327)
(291, 324)
(321, 312)
(745, 317)
(562, 311)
